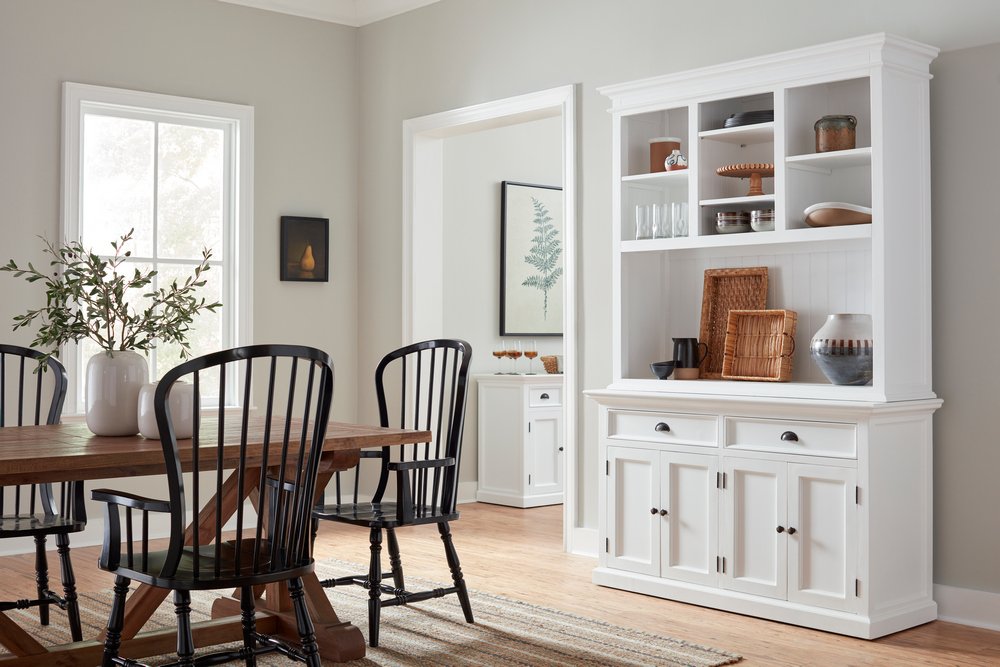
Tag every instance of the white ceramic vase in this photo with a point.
(843, 348)
(181, 410)
(112, 389)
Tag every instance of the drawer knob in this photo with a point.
(654, 511)
(789, 436)
(791, 531)
(544, 397)
(663, 427)
(664, 512)
(781, 529)
(561, 448)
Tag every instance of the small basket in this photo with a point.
(759, 345)
(551, 363)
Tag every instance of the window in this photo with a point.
(179, 172)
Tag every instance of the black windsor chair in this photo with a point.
(272, 537)
(29, 393)
(429, 383)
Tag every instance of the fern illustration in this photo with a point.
(543, 255)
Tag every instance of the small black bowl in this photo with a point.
(662, 369)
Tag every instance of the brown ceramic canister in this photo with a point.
(835, 133)
(659, 149)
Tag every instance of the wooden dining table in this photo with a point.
(69, 452)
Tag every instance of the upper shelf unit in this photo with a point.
(881, 269)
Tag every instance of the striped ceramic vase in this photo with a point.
(842, 348)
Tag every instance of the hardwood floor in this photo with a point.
(501, 546)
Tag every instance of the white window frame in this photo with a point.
(236, 121)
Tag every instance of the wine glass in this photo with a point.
(499, 352)
(514, 352)
(531, 351)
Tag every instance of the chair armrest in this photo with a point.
(417, 465)
(132, 500)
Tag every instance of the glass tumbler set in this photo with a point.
(661, 221)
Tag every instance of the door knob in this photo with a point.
(781, 529)
(560, 449)
(664, 512)
(791, 531)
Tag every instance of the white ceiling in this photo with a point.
(347, 12)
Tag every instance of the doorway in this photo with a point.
(424, 240)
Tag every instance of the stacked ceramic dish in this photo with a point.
(762, 220)
(750, 118)
(729, 222)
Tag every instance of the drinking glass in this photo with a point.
(499, 352)
(642, 230)
(661, 222)
(514, 352)
(531, 351)
(679, 219)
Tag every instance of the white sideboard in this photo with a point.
(520, 439)
(802, 501)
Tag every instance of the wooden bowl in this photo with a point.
(835, 214)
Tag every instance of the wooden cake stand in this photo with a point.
(755, 171)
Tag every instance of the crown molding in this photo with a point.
(354, 13)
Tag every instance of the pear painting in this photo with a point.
(305, 249)
(308, 262)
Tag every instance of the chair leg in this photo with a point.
(304, 624)
(249, 622)
(394, 560)
(185, 639)
(374, 586)
(41, 578)
(456, 570)
(69, 586)
(116, 621)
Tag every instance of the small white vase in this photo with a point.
(112, 389)
(181, 410)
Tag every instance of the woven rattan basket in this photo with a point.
(759, 345)
(725, 290)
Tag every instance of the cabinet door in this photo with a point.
(544, 454)
(822, 560)
(754, 508)
(689, 530)
(633, 528)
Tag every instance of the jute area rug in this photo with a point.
(434, 632)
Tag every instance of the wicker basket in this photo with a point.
(726, 290)
(551, 363)
(759, 345)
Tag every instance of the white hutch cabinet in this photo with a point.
(520, 440)
(803, 501)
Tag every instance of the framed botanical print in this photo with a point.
(531, 259)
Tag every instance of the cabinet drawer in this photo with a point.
(667, 427)
(544, 397)
(793, 437)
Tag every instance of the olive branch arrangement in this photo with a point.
(88, 297)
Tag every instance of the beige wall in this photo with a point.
(461, 52)
(474, 166)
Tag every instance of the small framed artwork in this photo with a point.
(531, 261)
(305, 249)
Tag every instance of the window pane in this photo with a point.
(117, 182)
(190, 197)
(206, 334)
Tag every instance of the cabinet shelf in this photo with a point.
(728, 388)
(738, 201)
(804, 235)
(828, 162)
(676, 177)
(761, 133)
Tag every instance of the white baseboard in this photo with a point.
(968, 607)
(467, 492)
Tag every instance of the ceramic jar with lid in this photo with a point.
(835, 133)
